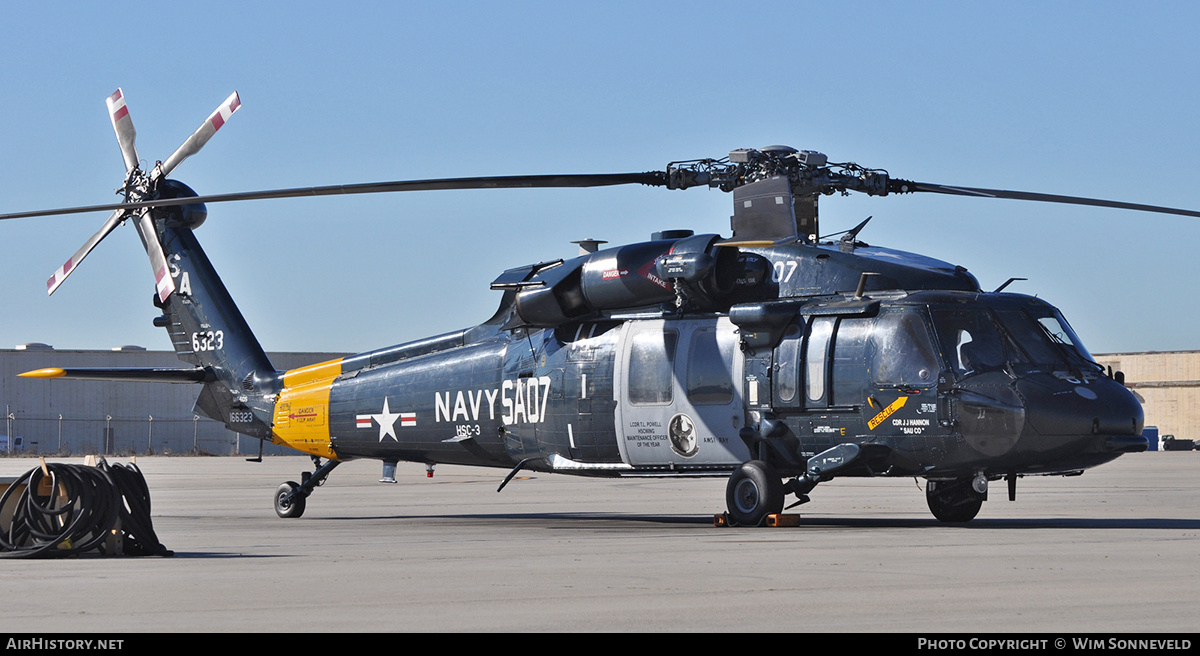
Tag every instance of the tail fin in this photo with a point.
(205, 326)
(207, 329)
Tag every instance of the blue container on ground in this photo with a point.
(1151, 435)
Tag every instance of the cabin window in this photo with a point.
(816, 353)
(709, 379)
(787, 371)
(651, 367)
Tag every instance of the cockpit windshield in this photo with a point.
(975, 340)
(1046, 336)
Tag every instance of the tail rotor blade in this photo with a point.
(163, 282)
(201, 136)
(123, 126)
(70, 265)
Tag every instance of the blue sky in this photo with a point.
(1081, 98)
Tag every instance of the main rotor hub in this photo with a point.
(808, 172)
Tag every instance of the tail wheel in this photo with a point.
(953, 501)
(285, 507)
(754, 491)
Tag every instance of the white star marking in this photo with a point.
(387, 422)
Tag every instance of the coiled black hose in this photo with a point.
(80, 511)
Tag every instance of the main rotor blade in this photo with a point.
(201, 136)
(652, 178)
(65, 270)
(123, 126)
(904, 186)
(163, 282)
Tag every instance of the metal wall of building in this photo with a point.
(114, 418)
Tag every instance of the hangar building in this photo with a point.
(114, 418)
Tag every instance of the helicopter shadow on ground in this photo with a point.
(221, 554)
(1140, 523)
(584, 519)
(538, 517)
(95, 555)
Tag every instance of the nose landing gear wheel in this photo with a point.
(285, 507)
(754, 491)
(953, 501)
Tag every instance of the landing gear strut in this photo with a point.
(954, 501)
(291, 497)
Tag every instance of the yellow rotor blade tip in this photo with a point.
(52, 372)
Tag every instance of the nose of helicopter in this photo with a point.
(1047, 422)
(1099, 417)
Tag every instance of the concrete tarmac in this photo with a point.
(1112, 551)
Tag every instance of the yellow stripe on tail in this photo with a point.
(301, 419)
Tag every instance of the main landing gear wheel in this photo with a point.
(953, 501)
(754, 491)
(289, 507)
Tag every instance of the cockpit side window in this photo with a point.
(971, 343)
(902, 352)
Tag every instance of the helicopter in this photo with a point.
(772, 357)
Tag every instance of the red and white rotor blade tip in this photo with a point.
(163, 282)
(72, 263)
(201, 136)
(123, 126)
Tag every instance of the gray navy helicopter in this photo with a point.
(769, 357)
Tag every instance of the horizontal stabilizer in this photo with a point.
(145, 375)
